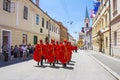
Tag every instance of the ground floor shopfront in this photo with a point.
(13, 36)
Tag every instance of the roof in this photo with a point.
(87, 15)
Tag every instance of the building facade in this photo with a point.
(24, 22)
(115, 28)
(71, 39)
(63, 31)
(101, 28)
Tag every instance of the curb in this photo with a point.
(107, 68)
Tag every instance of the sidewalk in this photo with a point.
(14, 61)
(109, 63)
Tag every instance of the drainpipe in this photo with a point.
(49, 25)
(110, 28)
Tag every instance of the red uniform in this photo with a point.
(51, 54)
(47, 50)
(70, 48)
(63, 57)
(57, 52)
(39, 52)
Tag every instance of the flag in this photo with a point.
(96, 6)
(92, 13)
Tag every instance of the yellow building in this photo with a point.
(23, 22)
(100, 31)
(63, 31)
(115, 28)
(71, 39)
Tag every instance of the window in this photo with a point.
(35, 39)
(6, 5)
(87, 25)
(106, 42)
(46, 24)
(114, 5)
(41, 30)
(37, 19)
(25, 13)
(106, 20)
(52, 28)
(56, 30)
(42, 22)
(115, 38)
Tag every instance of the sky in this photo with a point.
(70, 12)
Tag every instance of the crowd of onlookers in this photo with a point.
(22, 51)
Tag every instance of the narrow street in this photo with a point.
(82, 67)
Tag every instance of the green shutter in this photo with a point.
(35, 39)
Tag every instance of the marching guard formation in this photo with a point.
(54, 52)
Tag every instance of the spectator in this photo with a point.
(12, 53)
(21, 51)
(24, 49)
(30, 49)
(16, 50)
(5, 51)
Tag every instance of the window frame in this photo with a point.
(43, 22)
(25, 13)
(35, 39)
(115, 38)
(6, 5)
(41, 30)
(114, 5)
(46, 24)
(37, 19)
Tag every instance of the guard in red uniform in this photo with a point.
(39, 53)
(57, 51)
(51, 54)
(70, 48)
(64, 53)
(61, 52)
(47, 50)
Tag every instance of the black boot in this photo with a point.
(50, 64)
(38, 63)
(64, 65)
(41, 63)
(53, 64)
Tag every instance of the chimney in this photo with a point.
(37, 3)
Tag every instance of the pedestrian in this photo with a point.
(12, 53)
(16, 50)
(5, 51)
(20, 51)
(24, 49)
(30, 49)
